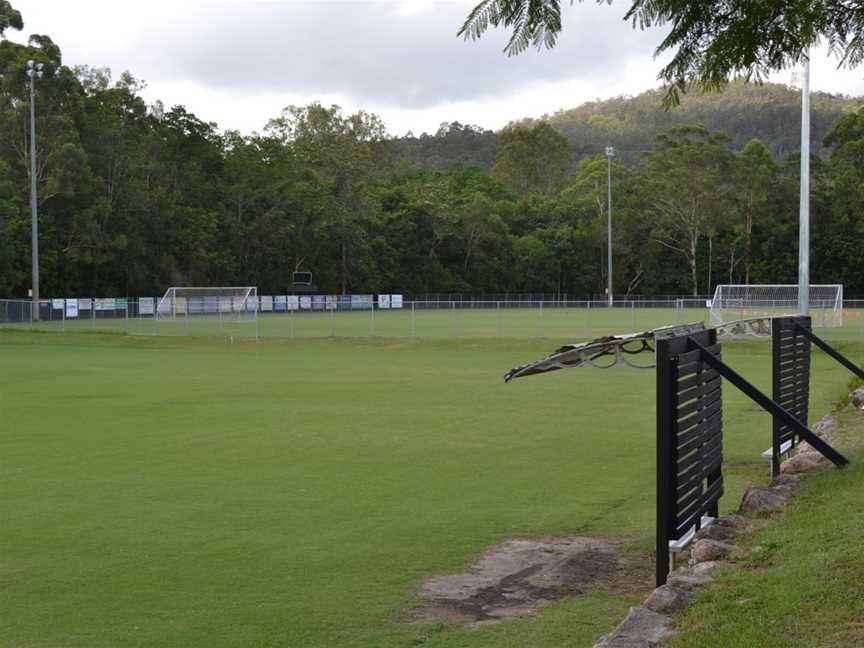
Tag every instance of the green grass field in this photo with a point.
(194, 492)
(458, 323)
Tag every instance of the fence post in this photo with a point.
(453, 318)
(541, 319)
(372, 320)
(498, 318)
(413, 316)
(126, 319)
(63, 318)
(31, 313)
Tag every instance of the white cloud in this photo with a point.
(239, 63)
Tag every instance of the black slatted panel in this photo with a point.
(790, 378)
(689, 439)
(698, 450)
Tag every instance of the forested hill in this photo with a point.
(769, 112)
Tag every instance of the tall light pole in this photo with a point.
(34, 71)
(804, 205)
(610, 152)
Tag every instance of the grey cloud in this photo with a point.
(370, 52)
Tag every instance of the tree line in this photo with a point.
(135, 197)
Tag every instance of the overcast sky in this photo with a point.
(239, 62)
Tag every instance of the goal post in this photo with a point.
(230, 303)
(741, 301)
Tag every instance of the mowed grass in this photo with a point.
(804, 586)
(565, 323)
(192, 492)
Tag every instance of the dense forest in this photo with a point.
(135, 197)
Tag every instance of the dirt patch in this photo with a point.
(512, 578)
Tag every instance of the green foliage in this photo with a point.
(136, 197)
(532, 160)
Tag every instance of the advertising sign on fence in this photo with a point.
(85, 303)
(57, 304)
(305, 303)
(280, 303)
(293, 302)
(362, 302)
(395, 301)
(266, 304)
(318, 302)
(121, 303)
(105, 304)
(145, 306)
(71, 308)
(383, 301)
(331, 302)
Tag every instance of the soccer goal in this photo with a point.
(216, 306)
(737, 301)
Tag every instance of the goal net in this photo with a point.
(736, 302)
(236, 304)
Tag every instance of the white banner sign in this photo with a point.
(294, 302)
(105, 304)
(266, 304)
(71, 308)
(383, 301)
(145, 306)
(305, 303)
(57, 304)
(85, 303)
(395, 301)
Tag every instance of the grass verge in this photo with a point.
(803, 583)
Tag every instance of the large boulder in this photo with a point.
(759, 500)
(643, 628)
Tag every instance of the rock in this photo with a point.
(688, 580)
(787, 481)
(858, 398)
(762, 499)
(668, 598)
(703, 569)
(716, 532)
(733, 520)
(643, 628)
(826, 426)
(801, 463)
(705, 550)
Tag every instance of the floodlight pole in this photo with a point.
(804, 207)
(610, 152)
(34, 71)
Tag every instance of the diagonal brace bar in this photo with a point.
(831, 351)
(769, 405)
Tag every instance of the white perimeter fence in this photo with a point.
(559, 319)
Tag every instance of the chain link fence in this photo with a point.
(556, 319)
